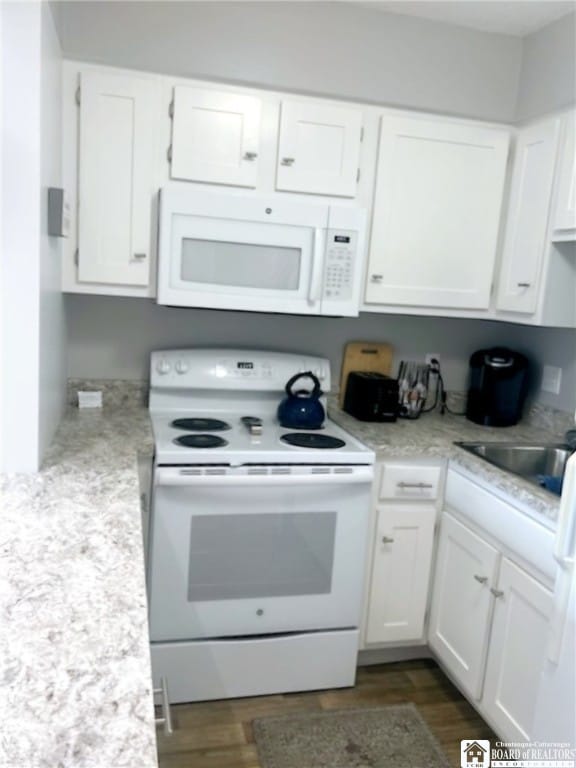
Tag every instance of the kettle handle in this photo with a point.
(316, 392)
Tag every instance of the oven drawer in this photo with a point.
(409, 481)
(223, 669)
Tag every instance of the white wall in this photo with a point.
(31, 318)
(548, 75)
(21, 217)
(113, 337)
(332, 49)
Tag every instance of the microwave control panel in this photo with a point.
(339, 270)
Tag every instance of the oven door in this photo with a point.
(239, 554)
(236, 256)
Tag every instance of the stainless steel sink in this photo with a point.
(532, 462)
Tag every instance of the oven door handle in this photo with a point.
(181, 477)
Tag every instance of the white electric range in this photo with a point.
(257, 545)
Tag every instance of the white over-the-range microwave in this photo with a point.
(259, 253)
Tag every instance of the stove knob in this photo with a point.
(163, 367)
(181, 366)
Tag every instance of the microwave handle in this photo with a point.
(314, 291)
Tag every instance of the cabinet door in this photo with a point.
(436, 214)
(118, 117)
(319, 149)
(215, 137)
(400, 573)
(527, 224)
(517, 652)
(461, 603)
(565, 214)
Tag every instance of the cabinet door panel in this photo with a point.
(436, 214)
(517, 652)
(117, 150)
(400, 574)
(461, 603)
(565, 215)
(319, 149)
(527, 224)
(215, 137)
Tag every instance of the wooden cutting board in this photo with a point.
(364, 356)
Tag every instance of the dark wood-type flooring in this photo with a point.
(219, 734)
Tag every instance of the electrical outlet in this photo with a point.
(432, 356)
(551, 379)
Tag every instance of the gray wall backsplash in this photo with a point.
(343, 50)
(111, 338)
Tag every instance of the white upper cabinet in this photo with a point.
(527, 225)
(564, 223)
(215, 136)
(319, 149)
(117, 147)
(436, 214)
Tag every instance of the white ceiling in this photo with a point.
(508, 17)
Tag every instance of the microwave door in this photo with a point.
(243, 265)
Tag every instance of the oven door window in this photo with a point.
(255, 556)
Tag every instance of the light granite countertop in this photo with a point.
(75, 683)
(433, 436)
(75, 678)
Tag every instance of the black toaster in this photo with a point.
(371, 396)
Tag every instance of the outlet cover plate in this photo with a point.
(551, 379)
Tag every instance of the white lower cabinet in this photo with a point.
(462, 603)
(399, 575)
(488, 627)
(522, 611)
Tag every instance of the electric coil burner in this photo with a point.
(312, 440)
(257, 542)
(201, 425)
(200, 441)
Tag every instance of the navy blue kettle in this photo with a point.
(302, 409)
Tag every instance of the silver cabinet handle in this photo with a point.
(139, 256)
(251, 156)
(481, 579)
(496, 592)
(523, 285)
(387, 540)
(414, 485)
(376, 278)
(166, 719)
(287, 161)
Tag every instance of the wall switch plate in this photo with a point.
(551, 379)
(58, 213)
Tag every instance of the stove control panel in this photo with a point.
(232, 369)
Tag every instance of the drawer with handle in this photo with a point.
(409, 481)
